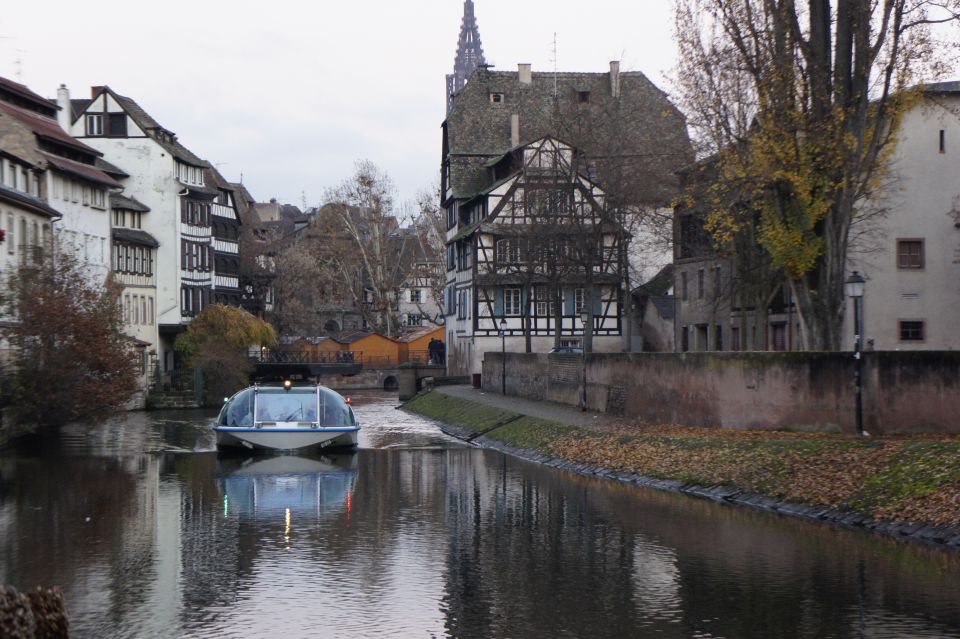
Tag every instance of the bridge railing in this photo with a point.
(302, 356)
(307, 356)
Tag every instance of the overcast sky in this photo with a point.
(289, 94)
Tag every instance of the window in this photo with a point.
(413, 319)
(717, 283)
(94, 124)
(119, 217)
(583, 97)
(511, 301)
(685, 338)
(578, 301)
(910, 254)
(735, 338)
(416, 296)
(943, 141)
(97, 198)
(117, 124)
(451, 301)
(150, 311)
(508, 251)
(718, 338)
(700, 283)
(912, 330)
(86, 195)
(683, 287)
(496, 98)
(542, 306)
(463, 304)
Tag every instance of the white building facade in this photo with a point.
(169, 180)
(910, 255)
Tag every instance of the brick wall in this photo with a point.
(903, 392)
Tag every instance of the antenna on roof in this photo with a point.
(19, 64)
(554, 52)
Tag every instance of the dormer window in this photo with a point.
(496, 98)
(117, 125)
(94, 124)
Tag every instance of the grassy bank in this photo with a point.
(914, 479)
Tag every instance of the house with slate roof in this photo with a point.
(592, 148)
(62, 172)
(192, 214)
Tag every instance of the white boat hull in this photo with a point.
(281, 438)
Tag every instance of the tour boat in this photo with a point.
(286, 417)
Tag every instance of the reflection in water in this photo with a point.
(430, 540)
(263, 487)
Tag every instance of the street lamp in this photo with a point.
(855, 285)
(503, 356)
(585, 319)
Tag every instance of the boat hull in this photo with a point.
(286, 438)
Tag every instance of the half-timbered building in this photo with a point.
(609, 143)
(537, 252)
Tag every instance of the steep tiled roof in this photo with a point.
(134, 236)
(28, 202)
(648, 131)
(22, 94)
(118, 201)
(110, 169)
(78, 106)
(85, 171)
(943, 87)
(46, 128)
(164, 137)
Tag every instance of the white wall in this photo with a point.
(918, 203)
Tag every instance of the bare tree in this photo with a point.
(362, 245)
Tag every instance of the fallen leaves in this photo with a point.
(901, 478)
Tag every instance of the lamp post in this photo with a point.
(503, 356)
(584, 319)
(855, 285)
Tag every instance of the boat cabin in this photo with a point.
(313, 406)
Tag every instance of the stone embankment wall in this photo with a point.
(903, 392)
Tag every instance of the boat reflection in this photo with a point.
(265, 486)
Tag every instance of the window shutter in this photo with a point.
(598, 302)
(568, 301)
(498, 302)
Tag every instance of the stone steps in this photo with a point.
(167, 400)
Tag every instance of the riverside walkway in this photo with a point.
(546, 410)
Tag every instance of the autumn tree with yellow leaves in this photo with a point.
(798, 104)
(217, 342)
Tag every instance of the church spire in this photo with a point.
(469, 54)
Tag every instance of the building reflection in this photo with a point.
(458, 542)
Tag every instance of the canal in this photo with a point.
(150, 534)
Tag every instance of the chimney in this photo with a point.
(524, 74)
(615, 78)
(65, 116)
(515, 130)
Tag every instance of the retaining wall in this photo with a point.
(903, 392)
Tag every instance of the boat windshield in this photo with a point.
(293, 405)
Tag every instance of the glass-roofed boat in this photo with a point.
(286, 417)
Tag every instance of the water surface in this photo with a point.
(151, 534)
